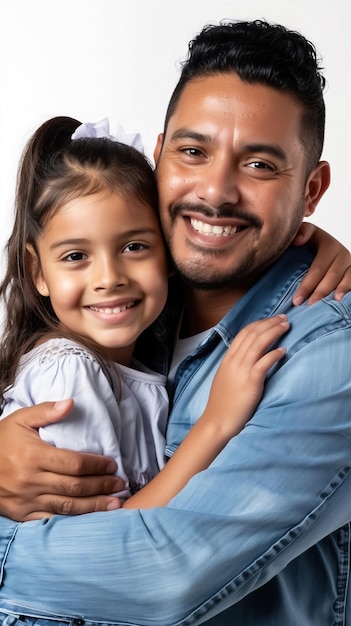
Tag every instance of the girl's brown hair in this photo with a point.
(54, 170)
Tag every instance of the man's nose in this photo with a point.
(218, 183)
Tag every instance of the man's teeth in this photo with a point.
(208, 229)
(110, 310)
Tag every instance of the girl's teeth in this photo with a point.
(110, 310)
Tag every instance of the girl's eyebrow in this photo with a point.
(137, 232)
(68, 242)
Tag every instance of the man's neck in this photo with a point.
(204, 309)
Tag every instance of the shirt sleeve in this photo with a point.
(62, 371)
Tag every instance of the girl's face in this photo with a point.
(103, 264)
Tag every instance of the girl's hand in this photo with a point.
(330, 270)
(236, 389)
(238, 384)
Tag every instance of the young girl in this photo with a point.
(87, 274)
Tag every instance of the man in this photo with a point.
(262, 537)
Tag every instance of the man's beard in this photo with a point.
(198, 275)
(201, 278)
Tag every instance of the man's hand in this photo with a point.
(330, 270)
(38, 480)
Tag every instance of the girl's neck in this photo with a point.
(123, 355)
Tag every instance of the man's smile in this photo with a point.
(216, 230)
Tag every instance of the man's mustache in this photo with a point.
(225, 211)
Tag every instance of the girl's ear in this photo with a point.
(34, 268)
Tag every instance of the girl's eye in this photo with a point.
(134, 247)
(74, 257)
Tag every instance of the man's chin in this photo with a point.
(207, 281)
(206, 277)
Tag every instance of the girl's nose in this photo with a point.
(108, 274)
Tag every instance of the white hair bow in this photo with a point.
(102, 129)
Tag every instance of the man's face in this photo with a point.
(232, 180)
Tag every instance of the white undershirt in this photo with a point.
(182, 348)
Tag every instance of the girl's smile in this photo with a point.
(102, 263)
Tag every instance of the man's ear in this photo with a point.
(34, 268)
(158, 148)
(316, 186)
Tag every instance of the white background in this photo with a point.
(120, 58)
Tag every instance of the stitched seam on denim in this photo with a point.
(265, 559)
(344, 572)
(196, 361)
(6, 552)
(35, 620)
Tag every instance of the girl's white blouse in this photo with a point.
(124, 417)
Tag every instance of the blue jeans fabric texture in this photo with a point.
(261, 538)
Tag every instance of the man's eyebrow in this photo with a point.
(272, 149)
(186, 133)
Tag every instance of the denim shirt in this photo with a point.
(261, 538)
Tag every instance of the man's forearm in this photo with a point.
(276, 489)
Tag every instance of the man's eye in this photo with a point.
(260, 165)
(192, 151)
